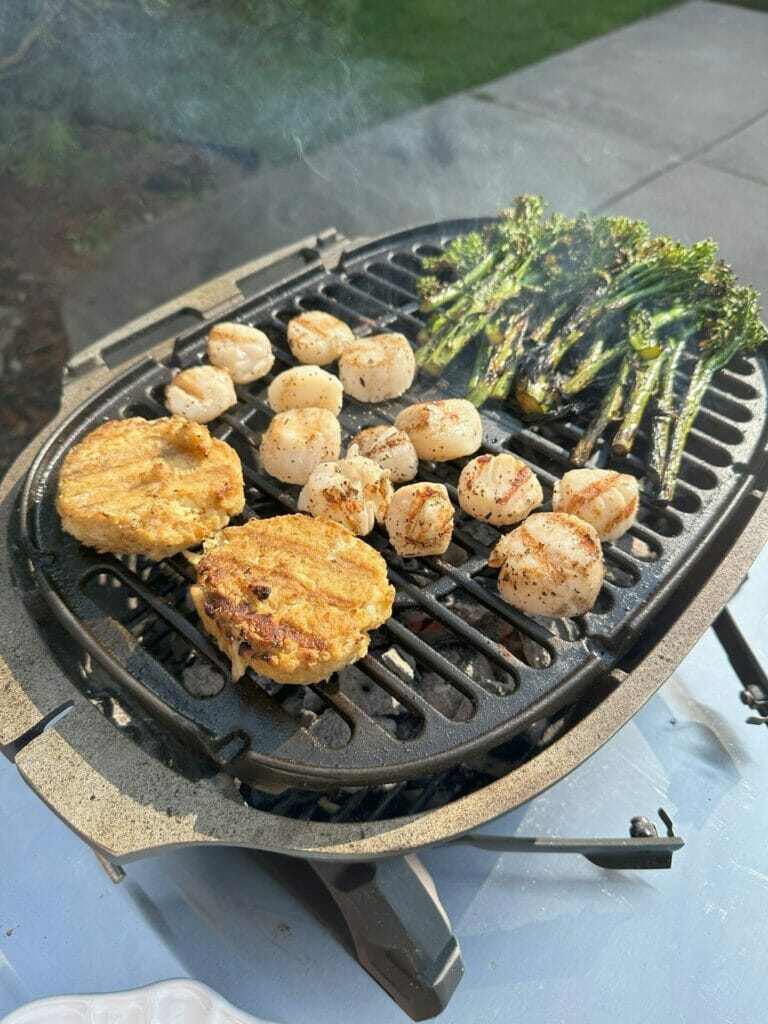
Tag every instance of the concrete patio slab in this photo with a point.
(693, 201)
(678, 80)
(455, 158)
(745, 153)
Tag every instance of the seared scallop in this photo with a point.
(606, 500)
(244, 352)
(297, 440)
(499, 489)
(551, 565)
(355, 492)
(376, 368)
(420, 520)
(305, 387)
(392, 449)
(442, 430)
(317, 337)
(201, 393)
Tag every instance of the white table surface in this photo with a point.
(544, 939)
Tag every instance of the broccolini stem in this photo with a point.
(503, 358)
(646, 380)
(610, 409)
(661, 425)
(591, 366)
(703, 373)
(456, 288)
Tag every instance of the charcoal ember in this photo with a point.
(482, 670)
(401, 663)
(442, 696)
(297, 699)
(484, 533)
(313, 701)
(201, 679)
(488, 675)
(330, 729)
(392, 725)
(534, 654)
(406, 727)
(565, 629)
(366, 694)
(482, 619)
(307, 718)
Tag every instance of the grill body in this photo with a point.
(506, 670)
(136, 803)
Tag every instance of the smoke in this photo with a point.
(273, 78)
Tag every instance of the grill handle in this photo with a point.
(642, 850)
(208, 301)
(399, 928)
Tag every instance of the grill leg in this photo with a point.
(745, 664)
(402, 935)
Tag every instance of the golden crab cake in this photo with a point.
(149, 487)
(291, 597)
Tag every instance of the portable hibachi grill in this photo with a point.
(120, 714)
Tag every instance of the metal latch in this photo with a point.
(329, 248)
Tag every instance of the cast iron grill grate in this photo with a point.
(497, 670)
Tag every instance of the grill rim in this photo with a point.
(274, 771)
(35, 686)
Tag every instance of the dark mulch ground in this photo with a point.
(51, 233)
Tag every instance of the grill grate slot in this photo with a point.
(455, 671)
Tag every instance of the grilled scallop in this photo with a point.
(317, 337)
(201, 393)
(604, 499)
(244, 352)
(420, 520)
(149, 487)
(499, 489)
(392, 449)
(292, 597)
(442, 430)
(297, 440)
(355, 492)
(304, 387)
(376, 368)
(551, 565)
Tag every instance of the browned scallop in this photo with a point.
(499, 489)
(317, 337)
(297, 440)
(391, 448)
(605, 499)
(200, 393)
(420, 520)
(378, 367)
(244, 352)
(355, 492)
(442, 430)
(551, 565)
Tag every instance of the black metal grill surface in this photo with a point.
(503, 670)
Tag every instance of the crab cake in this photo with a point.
(149, 487)
(291, 597)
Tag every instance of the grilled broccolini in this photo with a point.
(562, 306)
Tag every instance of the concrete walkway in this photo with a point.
(666, 119)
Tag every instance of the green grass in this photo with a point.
(451, 45)
(322, 70)
(270, 77)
